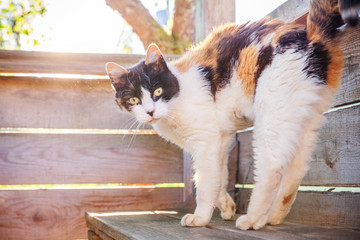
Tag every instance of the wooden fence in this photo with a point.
(63, 132)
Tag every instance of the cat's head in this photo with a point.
(146, 90)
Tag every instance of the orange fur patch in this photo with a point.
(247, 68)
(287, 199)
(335, 67)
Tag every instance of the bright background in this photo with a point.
(92, 26)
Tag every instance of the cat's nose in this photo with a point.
(151, 113)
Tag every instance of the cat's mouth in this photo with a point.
(154, 120)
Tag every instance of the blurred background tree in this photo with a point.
(171, 26)
(173, 39)
(15, 21)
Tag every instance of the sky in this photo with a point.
(92, 26)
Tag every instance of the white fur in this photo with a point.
(286, 111)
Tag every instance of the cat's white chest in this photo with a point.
(172, 131)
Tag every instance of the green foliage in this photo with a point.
(16, 17)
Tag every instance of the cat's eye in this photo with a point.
(134, 100)
(158, 92)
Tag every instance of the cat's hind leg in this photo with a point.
(284, 103)
(295, 172)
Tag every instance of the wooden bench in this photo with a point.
(165, 225)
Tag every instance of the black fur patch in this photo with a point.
(207, 72)
(293, 40)
(264, 59)
(317, 62)
(318, 58)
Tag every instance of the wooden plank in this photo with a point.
(60, 103)
(189, 187)
(232, 166)
(69, 63)
(338, 209)
(71, 159)
(350, 83)
(290, 10)
(59, 214)
(335, 160)
(93, 236)
(166, 226)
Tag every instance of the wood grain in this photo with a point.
(166, 226)
(290, 10)
(61, 159)
(59, 214)
(350, 83)
(335, 160)
(317, 208)
(60, 103)
(69, 63)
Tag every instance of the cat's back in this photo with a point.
(245, 51)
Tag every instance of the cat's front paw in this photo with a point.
(244, 222)
(191, 220)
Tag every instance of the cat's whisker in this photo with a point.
(133, 137)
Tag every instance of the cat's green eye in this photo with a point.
(158, 92)
(134, 100)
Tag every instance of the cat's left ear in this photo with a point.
(116, 73)
(154, 57)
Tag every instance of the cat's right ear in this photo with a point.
(116, 73)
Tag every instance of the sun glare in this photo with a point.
(92, 26)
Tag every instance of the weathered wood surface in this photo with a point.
(69, 63)
(329, 209)
(335, 160)
(290, 10)
(60, 103)
(64, 158)
(59, 214)
(349, 90)
(167, 226)
(93, 236)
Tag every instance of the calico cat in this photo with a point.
(278, 77)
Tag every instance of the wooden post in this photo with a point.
(210, 14)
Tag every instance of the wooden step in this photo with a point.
(165, 225)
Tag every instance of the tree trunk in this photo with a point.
(149, 31)
(184, 20)
(139, 18)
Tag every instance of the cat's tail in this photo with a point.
(326, 16)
